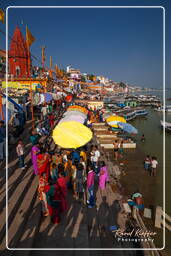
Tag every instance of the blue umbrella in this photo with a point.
(127, 128)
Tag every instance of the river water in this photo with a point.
(153, 146)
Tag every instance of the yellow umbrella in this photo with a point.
(113, 120)
(71, 134)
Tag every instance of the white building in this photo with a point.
(74, 73)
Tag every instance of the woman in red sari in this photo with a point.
(62, 184)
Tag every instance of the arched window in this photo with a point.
(17, 71)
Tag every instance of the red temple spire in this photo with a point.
(19, 56)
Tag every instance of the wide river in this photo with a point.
(153, 146)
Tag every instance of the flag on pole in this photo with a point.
(50, 62)
(2, 15)
(43, 55)
(29, 37)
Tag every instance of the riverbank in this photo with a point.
(134, 177)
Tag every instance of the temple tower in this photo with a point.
(19, 56)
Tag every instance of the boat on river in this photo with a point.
(166, 125)
(162, 109)
(132, 114)
(141, 112)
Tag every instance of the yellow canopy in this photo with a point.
(79, 108)
(71, 134)
(113, 120)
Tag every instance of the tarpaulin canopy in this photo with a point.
(113, 120)
(76, 118)
(75, 113)
(71, 134)
(106, 115)
(78, 108)
(127, 128)
(17, 106)
(6, 113)
(48, 97)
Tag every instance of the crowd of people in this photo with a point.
(63, 171)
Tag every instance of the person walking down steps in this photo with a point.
(20, 154)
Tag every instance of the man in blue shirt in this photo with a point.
(75, 156)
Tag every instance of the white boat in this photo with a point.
(165, 124)
(168, 108)
(162, 109)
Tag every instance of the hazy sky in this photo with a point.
(122, 44)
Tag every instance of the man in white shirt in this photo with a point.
(154, 164)
(44, 111)
(95, 158)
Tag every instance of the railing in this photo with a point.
(148, 244)
(159, 219)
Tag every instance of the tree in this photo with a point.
(91, 77)
(83, 79)
(123, 85)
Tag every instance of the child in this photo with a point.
(20, 154)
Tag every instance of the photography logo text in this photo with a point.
(137, 235)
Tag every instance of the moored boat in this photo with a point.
(141, 112)
(166, 125)
(130, 115)
(162, 109)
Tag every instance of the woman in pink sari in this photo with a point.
(34, 152)
(104, 177)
